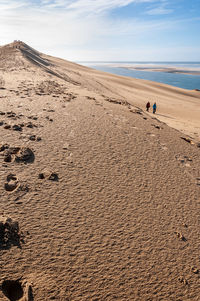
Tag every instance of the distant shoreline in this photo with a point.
(164, 69)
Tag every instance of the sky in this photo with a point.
(105, 30)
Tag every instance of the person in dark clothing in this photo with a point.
(154, 107)
(148, 106)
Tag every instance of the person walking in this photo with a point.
(154, 107)
(148, 106)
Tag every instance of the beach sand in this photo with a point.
(99, 200)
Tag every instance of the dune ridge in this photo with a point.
(99, 200)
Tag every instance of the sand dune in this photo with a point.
(99, 199)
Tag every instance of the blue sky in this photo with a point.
(117, 30)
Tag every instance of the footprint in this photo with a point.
(12, 183)
(17, 127)
(30, 125)
(9, 154)
(34, 138)
(15, 290)
(12, 289)
(25, 155)
(11, 114)
(17, 154)
(50, 176)
(10, 233)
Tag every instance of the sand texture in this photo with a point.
(99, 200)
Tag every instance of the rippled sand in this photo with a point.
(99, 199)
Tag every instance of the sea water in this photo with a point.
(186, 81)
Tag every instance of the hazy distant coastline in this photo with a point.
(190, 68)
(195, 71)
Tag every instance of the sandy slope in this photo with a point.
(108, 200)
(177, 107)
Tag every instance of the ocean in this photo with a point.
(186, 81)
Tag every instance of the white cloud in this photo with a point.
(59, 21)
(159, 11)
(75, 5)
(98, 6)
(11, 5)
(71, 29)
